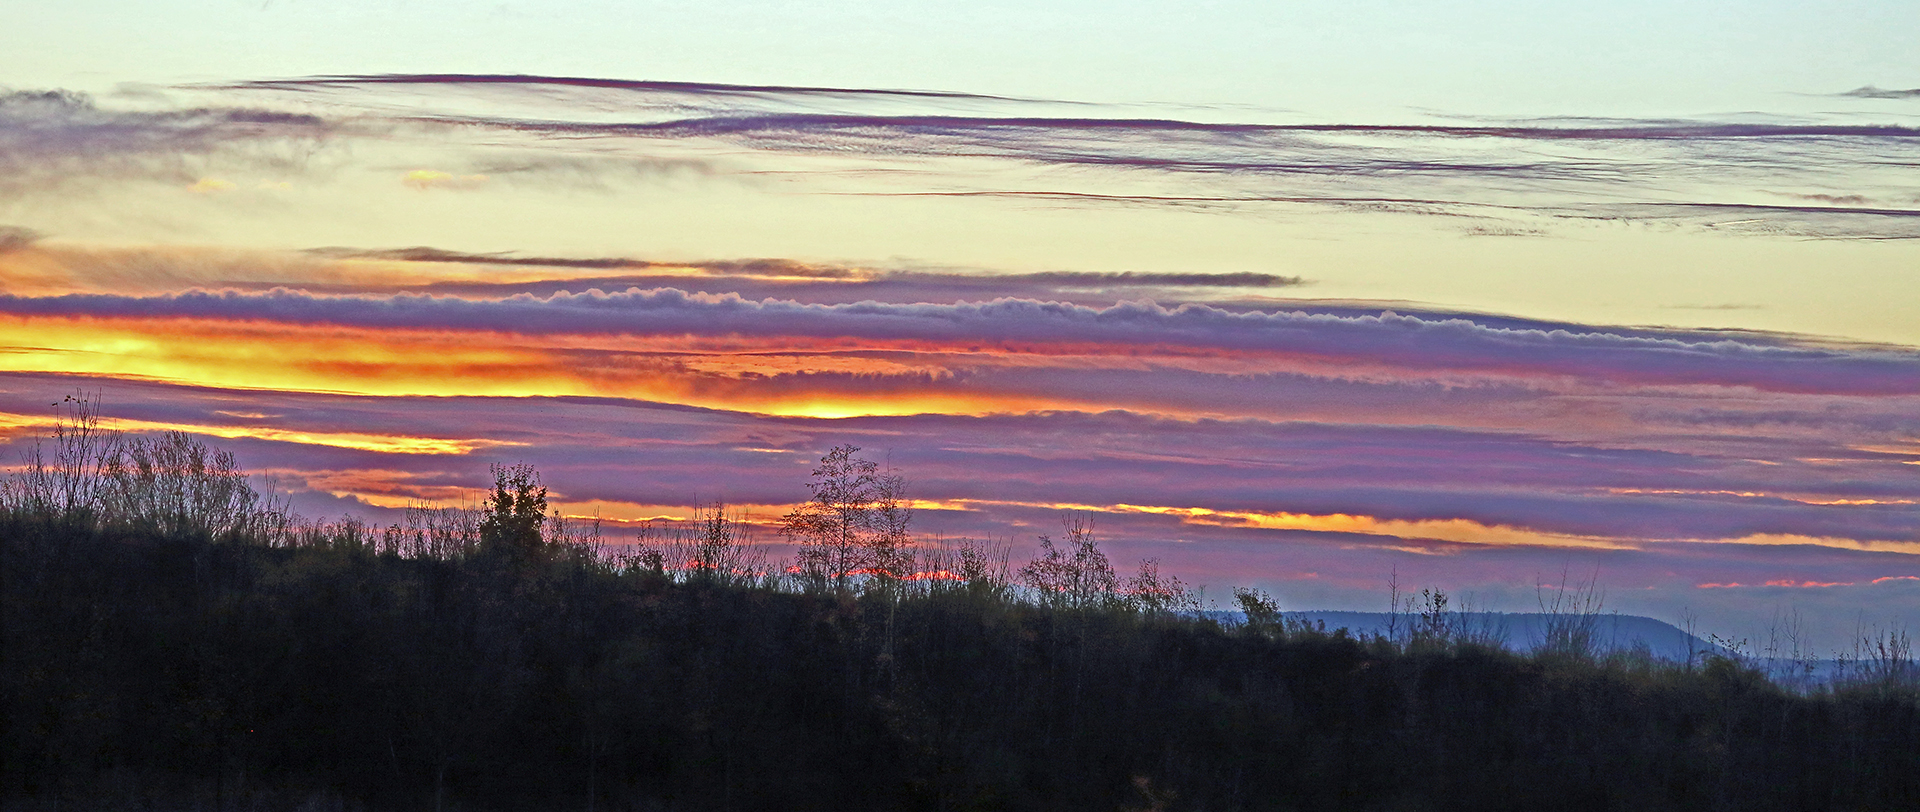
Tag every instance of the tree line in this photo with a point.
(174, 639)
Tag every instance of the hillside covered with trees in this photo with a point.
(173, 640)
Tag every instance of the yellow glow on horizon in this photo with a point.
(1462, 531)
(249, 355)
(1908, 448)
(1805, 500)
(757, 517)
(383, 443)
(1790, 539)
(960, 505)
(359, 441)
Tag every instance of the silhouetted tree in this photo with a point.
(857, 520)
(175, 485)
(64, 481)
(1079, 576)
(512, 514)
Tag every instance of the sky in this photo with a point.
(1482, 296)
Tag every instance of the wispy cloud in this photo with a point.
(813, 282)
(14, 238)
(54, 138)
(1871, 92)
(526, 81)
(1706, 174)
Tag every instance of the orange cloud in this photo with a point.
(1456, 530)
(261, 355)
(383, 443)
(1802, 499)
(1462, 531)
(1870, 545)
(782, 376)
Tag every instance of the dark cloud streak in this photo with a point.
(525, 80)
(1871, 92)
(813, 282)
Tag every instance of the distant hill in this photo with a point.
(1521, 631)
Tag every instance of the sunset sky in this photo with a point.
(1288, 295)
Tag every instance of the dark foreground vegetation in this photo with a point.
(173, 643)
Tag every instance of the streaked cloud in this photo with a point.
(54, 138)
(1871, 92)
(361, 441)
(1482, 177)
(1345, 346)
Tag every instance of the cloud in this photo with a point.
(1837, 200)
(1871, 92)
(425, 179)
(1808, 221)
(863, 127)
(791, 268)
(1789, 583)
(1506, 177)
(525, 81)
(13, 238)
(606, 174)
(52, 138)
(1352, 343)
(1401, 481)
(1493, 178)
(802, 282)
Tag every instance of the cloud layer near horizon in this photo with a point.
(1386, 344)
(1574, 433)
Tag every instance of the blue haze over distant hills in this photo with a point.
(1519, 631)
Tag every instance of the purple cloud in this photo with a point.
(1388, 340)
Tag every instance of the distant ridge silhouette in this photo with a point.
(1520, 631)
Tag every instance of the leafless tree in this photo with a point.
(1079, 576)
(64, 480)
(857, 523)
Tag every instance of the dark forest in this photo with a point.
(173, 639)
